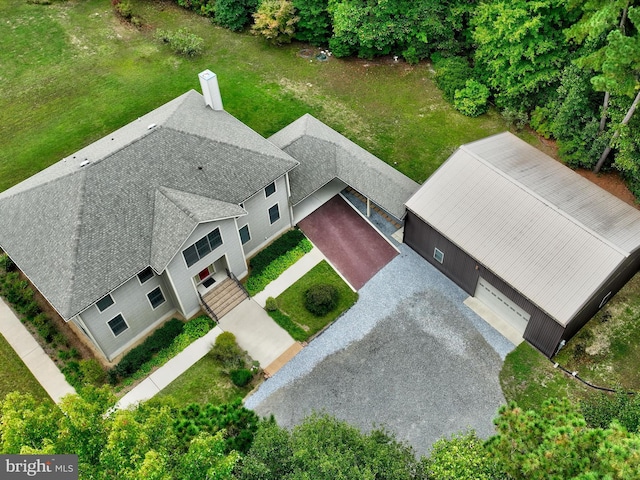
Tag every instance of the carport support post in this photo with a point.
(368, 207)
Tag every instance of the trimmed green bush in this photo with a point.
(161, 338)
(287, 242)
(241, 377)
(271, 305)
(92, 372)
(472, 99)
(227, 352)
(320, 299)
(452, 74)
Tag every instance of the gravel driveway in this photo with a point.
(408, 356)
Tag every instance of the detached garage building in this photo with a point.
(537, 243)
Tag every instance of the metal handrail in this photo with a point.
(206, 307)
(233, 277)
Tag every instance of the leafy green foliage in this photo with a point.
(462, 457)
(521, 49)
(234, 14)
(472, 99)
(275, 20)
(227, 352)
(181, 41)
(555, 443)
(321, 298)
(241, 377)
(201, 7)
(324, 448)
(314, 24)
(270, 262)
(161, 338)
(452, 74)
(271, 305)
(238, 423)
(412, 29)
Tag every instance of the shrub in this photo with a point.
(320, 299)
(472, 99)
(201, 7)
(271, 305)
(241, 377)
(161, 338)
(314, 26)
(181, 41)
(275, 20)
(123, 8)
(600, 409)
(234, 14)
(92, 372)
(44, 327)
(268, 264)
(227, 352)
(452, 74)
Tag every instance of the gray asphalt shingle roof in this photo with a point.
(80, 231)
(551, 234)
(324, 154)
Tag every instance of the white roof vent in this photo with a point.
(85, 163)
(210, 89)
(153, 125)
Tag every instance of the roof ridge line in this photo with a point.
(545, 201)
(76, 242)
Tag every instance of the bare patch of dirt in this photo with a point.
(612, 182)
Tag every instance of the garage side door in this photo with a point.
(502, 305)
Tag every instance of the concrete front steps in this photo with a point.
(225, 297)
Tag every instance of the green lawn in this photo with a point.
(204, 382)
(606, 352)
(291, 301)
(15, 374)
(72, 72)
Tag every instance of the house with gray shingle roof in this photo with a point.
(149, 220)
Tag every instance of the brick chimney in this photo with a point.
(210, 89)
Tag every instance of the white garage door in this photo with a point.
(502, 305)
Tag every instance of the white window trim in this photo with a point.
(138, 276)
(184, 260)
(438, 253)
(275, 189)
(111, 329)
(269, 214)
(113, 302)
(248, 231)
(163, 296)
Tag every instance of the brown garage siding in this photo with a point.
(542, 331)
(457, 265)
(616, 281)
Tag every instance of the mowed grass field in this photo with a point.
(71, 72)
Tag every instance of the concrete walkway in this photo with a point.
(255, 332)
(32, 354)
(171, 370)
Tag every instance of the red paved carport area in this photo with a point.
(349, 242)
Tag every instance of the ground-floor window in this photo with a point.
(118, 324)
(156, 298)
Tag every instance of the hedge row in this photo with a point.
(269, 264)
(191, 331)
(135, 358)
